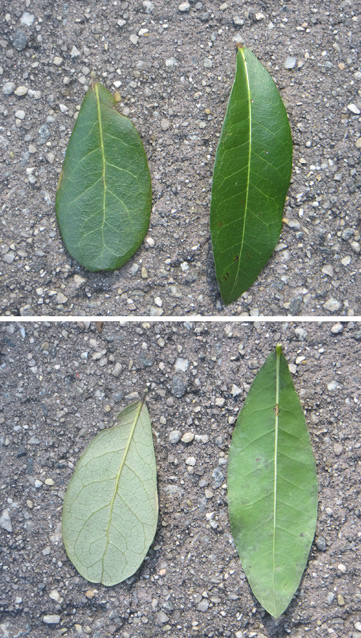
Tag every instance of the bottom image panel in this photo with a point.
(147, 511)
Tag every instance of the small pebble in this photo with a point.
(290, 62)
(57, 61)
(61, 298)
(134, 38)
(332, 305)
(178, 388)
(164, 124)
(27, 19)
(220, 401)
(117, 369)
(235, 391)
(203, 605)
(358, 626)
(20, 115)
(328, 270)
(162, 617)
(187, 437)
(9, 257)
(337, 329)
(74, 52)
(174, 436)
(184, 7)
(21, 91)
(5, 521)
(354, 109)
(191, 461)
(51, 619)
(8, 88)
(170, 62)
(321, 544)
(338, 449)
(340, 600)
(358, 143)
(49, 481)
(148, 5)
(342, 568)
(20, 40)
(54, 595)
(181, 364)
(300, 333)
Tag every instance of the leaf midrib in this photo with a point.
(248, 170)
(101, 139)
(277, 401)
(117, 479)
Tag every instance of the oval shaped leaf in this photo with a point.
(103, 200)
(110, 508)
(251, 176)
(272, 487)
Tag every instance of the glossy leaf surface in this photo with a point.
(110, 508)
(251, 176)
(103, 200)
(272, 487)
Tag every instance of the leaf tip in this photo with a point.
(279, 349)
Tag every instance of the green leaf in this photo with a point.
(272, 486)
(251, 176)
(110, 508)
(103, 201)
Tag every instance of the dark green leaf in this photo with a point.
(272, 487)
(110, 508)
(103, 200)
(251, 176)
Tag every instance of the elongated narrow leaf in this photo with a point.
(251, 176)
(272, 487)
(110, 509)
(103, 200)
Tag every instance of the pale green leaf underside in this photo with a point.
(272, 487)
(110, 508)
(103, 201)
(251, 176)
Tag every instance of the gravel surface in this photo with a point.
(173, 64)
(62, 383)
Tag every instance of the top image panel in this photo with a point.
(117, 117)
